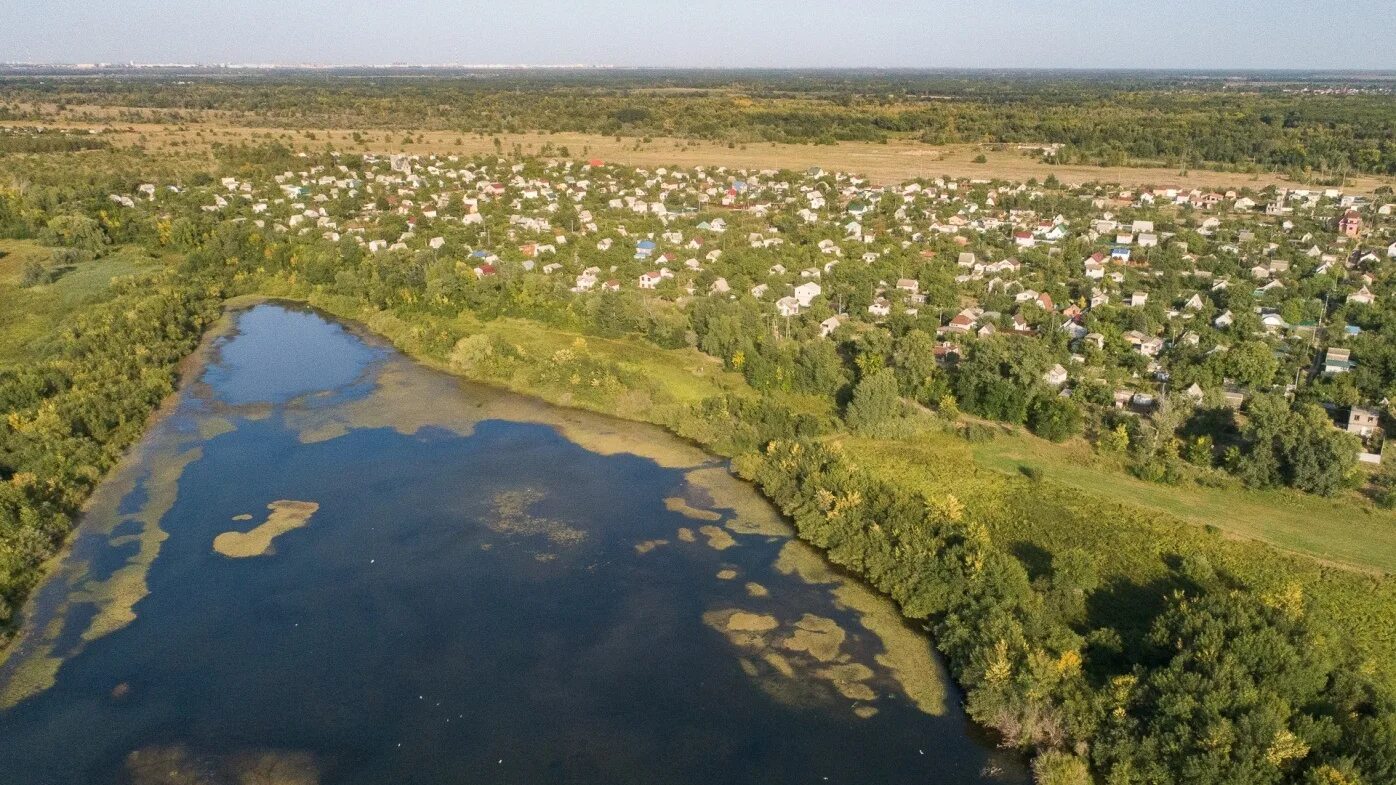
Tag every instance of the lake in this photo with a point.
(326, 563)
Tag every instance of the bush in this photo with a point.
(33, 273)
(1060, 768)
(1054, 418)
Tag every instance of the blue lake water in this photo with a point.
(327, 564)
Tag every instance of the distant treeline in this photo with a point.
(1175, 119)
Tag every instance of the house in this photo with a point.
(1138, 299)
(1337, 360)
(650, 280)
(828, 326)
(1362, 296)
(720, 286)
(961, 323)
(806, 292)
(1350, 225)
(1056, 376)
(1273, 322)
(788, 306)
(585, 283)
(1363, 421)
(880, 307)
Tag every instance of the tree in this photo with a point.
(875, 402)
(998, 377)
(1054, 418)
(1252, 363)
(819, 370)
(76, 231)
(1295, 446)
(915, 361)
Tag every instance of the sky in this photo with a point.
(1213, 34)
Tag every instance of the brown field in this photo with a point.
(894, 162)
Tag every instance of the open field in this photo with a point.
(1346, 530)
(1138, 534)
(29, 317)
(896, 161)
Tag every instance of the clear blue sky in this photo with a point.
(797, 33)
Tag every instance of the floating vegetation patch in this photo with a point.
(755, 589)
(817, 636)
(243, 517)
(726, 574)
(213, 427)
(649, 545)
(798, 558)
(511, 516)
(848, 679)
(400, 386)
(116, 597)
(34, 672)
(743, 628)
(686, 534)
(751, 513)
(906, 652)
(178, 765)
(286, 515)
(681, 506)
(797, 657)
(718, 539)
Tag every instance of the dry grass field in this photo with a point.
(896, 161)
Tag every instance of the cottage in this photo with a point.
(1337, 360)
(828, 326)
(806, 292)
(1363, 421)
(1350, 225)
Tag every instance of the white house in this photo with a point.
(806, 292)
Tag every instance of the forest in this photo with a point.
(1182, 119)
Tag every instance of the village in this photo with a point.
(1136, 293)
